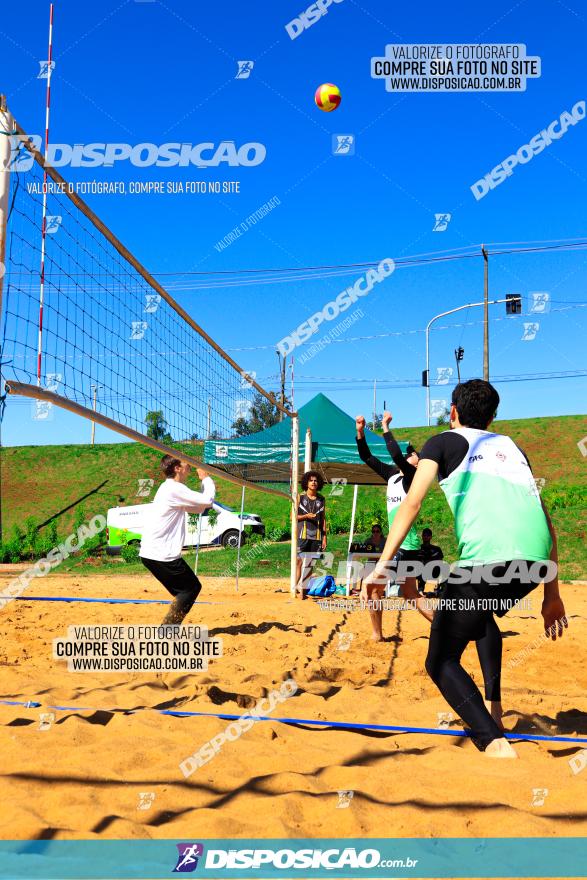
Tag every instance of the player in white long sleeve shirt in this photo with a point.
(164, 534)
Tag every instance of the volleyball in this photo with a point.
(327, 97)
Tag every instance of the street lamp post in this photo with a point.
(443, 315)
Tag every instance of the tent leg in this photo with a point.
(351, 534)
(240, 534)
(295, 473)
(198, 547)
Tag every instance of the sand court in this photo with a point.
(107, 764)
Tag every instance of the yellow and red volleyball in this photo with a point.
(327, 97)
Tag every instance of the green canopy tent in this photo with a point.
(266, 455)
(326, 443)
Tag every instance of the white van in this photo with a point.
(124, 525)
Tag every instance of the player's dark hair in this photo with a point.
(476, 402)
(427, 532)
(306, 479)
(168, 465)
(411, 449)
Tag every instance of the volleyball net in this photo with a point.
(85, 327)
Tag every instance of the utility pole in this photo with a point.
(95, 390)
(282, 366)
(374, 402)
(209, 419)
(485, 313)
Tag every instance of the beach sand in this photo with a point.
(88, 775)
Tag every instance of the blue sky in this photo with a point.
(157, 72)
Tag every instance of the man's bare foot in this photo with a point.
(500, 748)
(495, 710)
(377, 637)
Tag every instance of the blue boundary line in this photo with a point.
(341, 725)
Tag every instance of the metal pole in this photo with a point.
(308, 451)
(5, 151)
(485, 314)
(458, 367)
(428, 371)
(198, 545)
(351, 534)
(374, 402)
(209, 420)
(282, 365)
(240, 532)
(353, 512)
(295, 473)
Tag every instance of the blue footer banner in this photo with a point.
(530, 857)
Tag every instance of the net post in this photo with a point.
(295, 474)
(240, 536)
(308, 450)
(351, 535)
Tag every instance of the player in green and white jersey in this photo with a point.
(399, 478)
(507, 546)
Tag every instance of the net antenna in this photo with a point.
(107, 322)
(44, 220)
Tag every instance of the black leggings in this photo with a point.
(450, 634)
(179, 580)
(489, 649)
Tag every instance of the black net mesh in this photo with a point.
(105, 325)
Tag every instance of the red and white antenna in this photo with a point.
(44, 222)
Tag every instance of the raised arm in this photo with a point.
(196, 502)
(385, 471)
(399, 459)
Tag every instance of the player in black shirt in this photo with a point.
(500, 521)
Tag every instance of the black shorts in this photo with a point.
(407, 554)
(176, 576)
(309, 545)
(465, 607)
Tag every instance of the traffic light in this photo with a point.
(424, 378)
(513, 305)
(459, 353)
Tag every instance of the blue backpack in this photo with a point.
(322, 586)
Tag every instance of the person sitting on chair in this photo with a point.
(377, 538)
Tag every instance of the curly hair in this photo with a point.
(306, 478)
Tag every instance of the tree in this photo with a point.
(157, 427)
(444, 417)
(262, 414)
